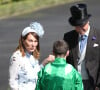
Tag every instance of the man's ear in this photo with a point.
(67, 53)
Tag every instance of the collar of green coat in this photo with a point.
(59, 61)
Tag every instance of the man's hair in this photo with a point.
(60, 47)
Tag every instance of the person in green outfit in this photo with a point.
(58, 75)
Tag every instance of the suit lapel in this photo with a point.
(75, 50)
(90, 43)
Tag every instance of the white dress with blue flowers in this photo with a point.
(23, 71)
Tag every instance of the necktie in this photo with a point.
(83, 41)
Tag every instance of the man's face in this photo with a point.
(82, 29)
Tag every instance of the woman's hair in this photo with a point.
(21, 46)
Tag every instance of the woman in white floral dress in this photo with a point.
(24, 64)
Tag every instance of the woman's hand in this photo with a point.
(49, 59)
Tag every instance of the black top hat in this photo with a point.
(79, 15)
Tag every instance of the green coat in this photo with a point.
(59, 76)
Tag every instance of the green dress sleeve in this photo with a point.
(40, 73)
(78, 81)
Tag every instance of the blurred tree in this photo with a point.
(16, 0)
(4, 1)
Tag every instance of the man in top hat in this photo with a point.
(84, 47)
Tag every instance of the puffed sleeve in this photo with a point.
(78, 81)
(13, 71)
(38, 85)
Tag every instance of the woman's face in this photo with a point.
(30, 43)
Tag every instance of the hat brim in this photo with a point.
(80, 22)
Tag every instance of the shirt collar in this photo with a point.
(60, 60)
(28, 54)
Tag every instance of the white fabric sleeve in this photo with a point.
(13, 72)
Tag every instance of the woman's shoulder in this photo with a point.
(16, 53)
(15, 58)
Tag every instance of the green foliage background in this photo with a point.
(15, 7)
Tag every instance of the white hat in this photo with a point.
(34, 27)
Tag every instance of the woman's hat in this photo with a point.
(79, 15)
(34, 27)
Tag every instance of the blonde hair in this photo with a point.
(21, 46)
